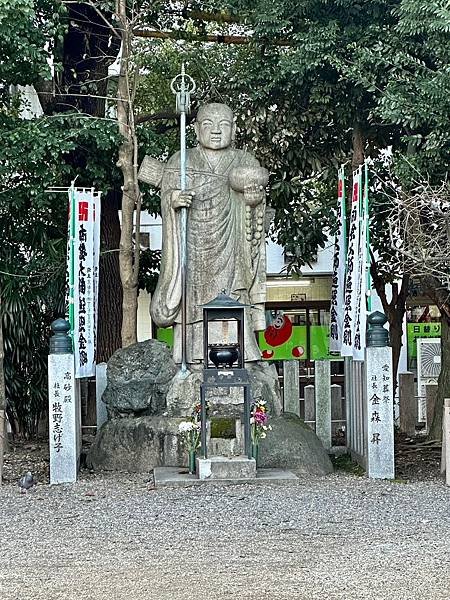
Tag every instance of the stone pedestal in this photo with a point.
(142, 432)
(408, 404)
(64, 419)
(380, 413)
(291, 386)
(223, 467)
(323, 402)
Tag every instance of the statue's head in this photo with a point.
(215, 126)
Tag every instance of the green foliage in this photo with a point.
(28, 32)
(35, 155)
(345, 463)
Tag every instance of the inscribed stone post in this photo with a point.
(380, 413)
(408, 404)
(323, 402)
(291, 386)
(64, 422)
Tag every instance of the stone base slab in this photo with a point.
(176, 477)
(224, 467)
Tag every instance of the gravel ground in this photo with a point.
(114, 536)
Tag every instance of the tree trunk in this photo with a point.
(395, 338)
(110, 290)
(2, 399)
(394, 311)
(129, 249)
(443, 391)
(358, 144)
(433, 288)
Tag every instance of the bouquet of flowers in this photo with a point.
(190, 433)
(258, 421)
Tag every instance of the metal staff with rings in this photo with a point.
(183, 86)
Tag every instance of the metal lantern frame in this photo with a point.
(225, 308)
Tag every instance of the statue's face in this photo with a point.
(214, 128)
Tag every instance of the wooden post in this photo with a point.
(408, 404)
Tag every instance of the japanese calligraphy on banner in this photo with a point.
(360, 320)
(338, 280)
(353, 269)
(84, 228)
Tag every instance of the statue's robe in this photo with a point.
(221, 254)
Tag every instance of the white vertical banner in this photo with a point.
(353, 268)
(97, 217)
(338, 280)
(360, 321)
(85, 301)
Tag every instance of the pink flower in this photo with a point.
(260, 417)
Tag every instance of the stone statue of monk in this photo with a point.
(225, 199)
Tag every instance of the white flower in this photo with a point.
(185, 426)
(263, 435)
(252, 420)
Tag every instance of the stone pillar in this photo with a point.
(337, 414)
(445, 462)
(408, 404)
(64, 407)
(430, 395)
(336, 408)
(291, 386)
(379, 394)
(310, 415)
(322, 372)
(349, 412)
(100, 386)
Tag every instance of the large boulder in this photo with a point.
(137, 445)
(293, 445)
(138, 378)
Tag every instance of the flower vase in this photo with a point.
(255, 452)
(192, 457)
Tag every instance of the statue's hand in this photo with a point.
(253, 194)
(181, 199)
